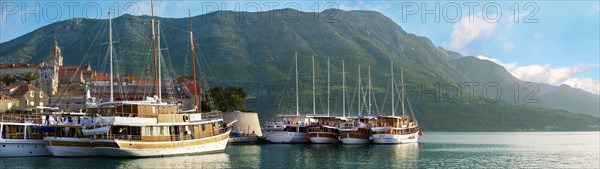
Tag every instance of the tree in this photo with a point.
(230, 99)
(28, 76)
(8, 79)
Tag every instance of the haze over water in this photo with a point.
(435, 150)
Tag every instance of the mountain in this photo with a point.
(256, 50)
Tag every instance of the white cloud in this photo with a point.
(597, 9)
(552, 75)
(507, 66)
(508, 46)
(467, 31)
(361, 5)
(587, 84)
(537, 35)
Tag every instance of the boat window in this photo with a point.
(302, 129)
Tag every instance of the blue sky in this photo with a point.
(555, 42)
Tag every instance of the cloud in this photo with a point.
(551, 75)
(587, 84)
(361, 5)
(508, 46)
(597, 9)
(507, 66)
(467, 31)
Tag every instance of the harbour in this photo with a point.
(355, 89)
(435, 150)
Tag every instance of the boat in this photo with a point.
(68, 139)
(288, 129)
(291, 128)
(397, 129)
(21, 136)
(326, 131)
(355, 132)
(151, 127)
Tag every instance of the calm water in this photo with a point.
(436, 150)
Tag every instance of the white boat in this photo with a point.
(155, 128)
(288, 129)
(397, 129)
(19, 139)
(163, 133)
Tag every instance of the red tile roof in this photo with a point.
(23, 89)
(4, 66)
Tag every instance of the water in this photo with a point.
(436, 150)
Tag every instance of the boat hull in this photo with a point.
(287, 137)
(70, 147)
(386, 139)
(354, 139)
(23, 148)
(323, 138)
(126, 148)
(409, 138)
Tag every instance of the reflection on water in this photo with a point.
(435, 150)
(336, 156)
(219, 160)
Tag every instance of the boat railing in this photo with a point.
(216, 115)
(162, 138)
(20, 118)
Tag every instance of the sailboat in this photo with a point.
(327, 129)
(73, 139)
(357, 131)
(290, 128)
(154, 128)
(396, 129)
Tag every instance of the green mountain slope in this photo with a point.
(239, 49)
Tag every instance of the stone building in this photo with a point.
(46, 70)
(7, 103)
(30, 97)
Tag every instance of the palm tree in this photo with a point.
(8, 79)
(29, 76)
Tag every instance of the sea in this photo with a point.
(434, 150)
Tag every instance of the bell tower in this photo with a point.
(55, 58)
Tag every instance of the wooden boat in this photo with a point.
(397, 129)
(20, 137)
(326, 131)
(155, 128)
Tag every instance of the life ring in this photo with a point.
(185, 118)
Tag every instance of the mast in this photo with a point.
(154, 51)
(193, 65)
(359, 90)
(369, 92)
(402, 91)
(328, 93)
(313, 86)
(393, 86)
(297, 104)
(159, 59)
(343, 89)
(110, 49)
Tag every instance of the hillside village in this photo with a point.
(74, 87)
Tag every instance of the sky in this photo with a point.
(554, 42)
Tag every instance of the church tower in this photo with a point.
(55, 58)
(48, 80)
